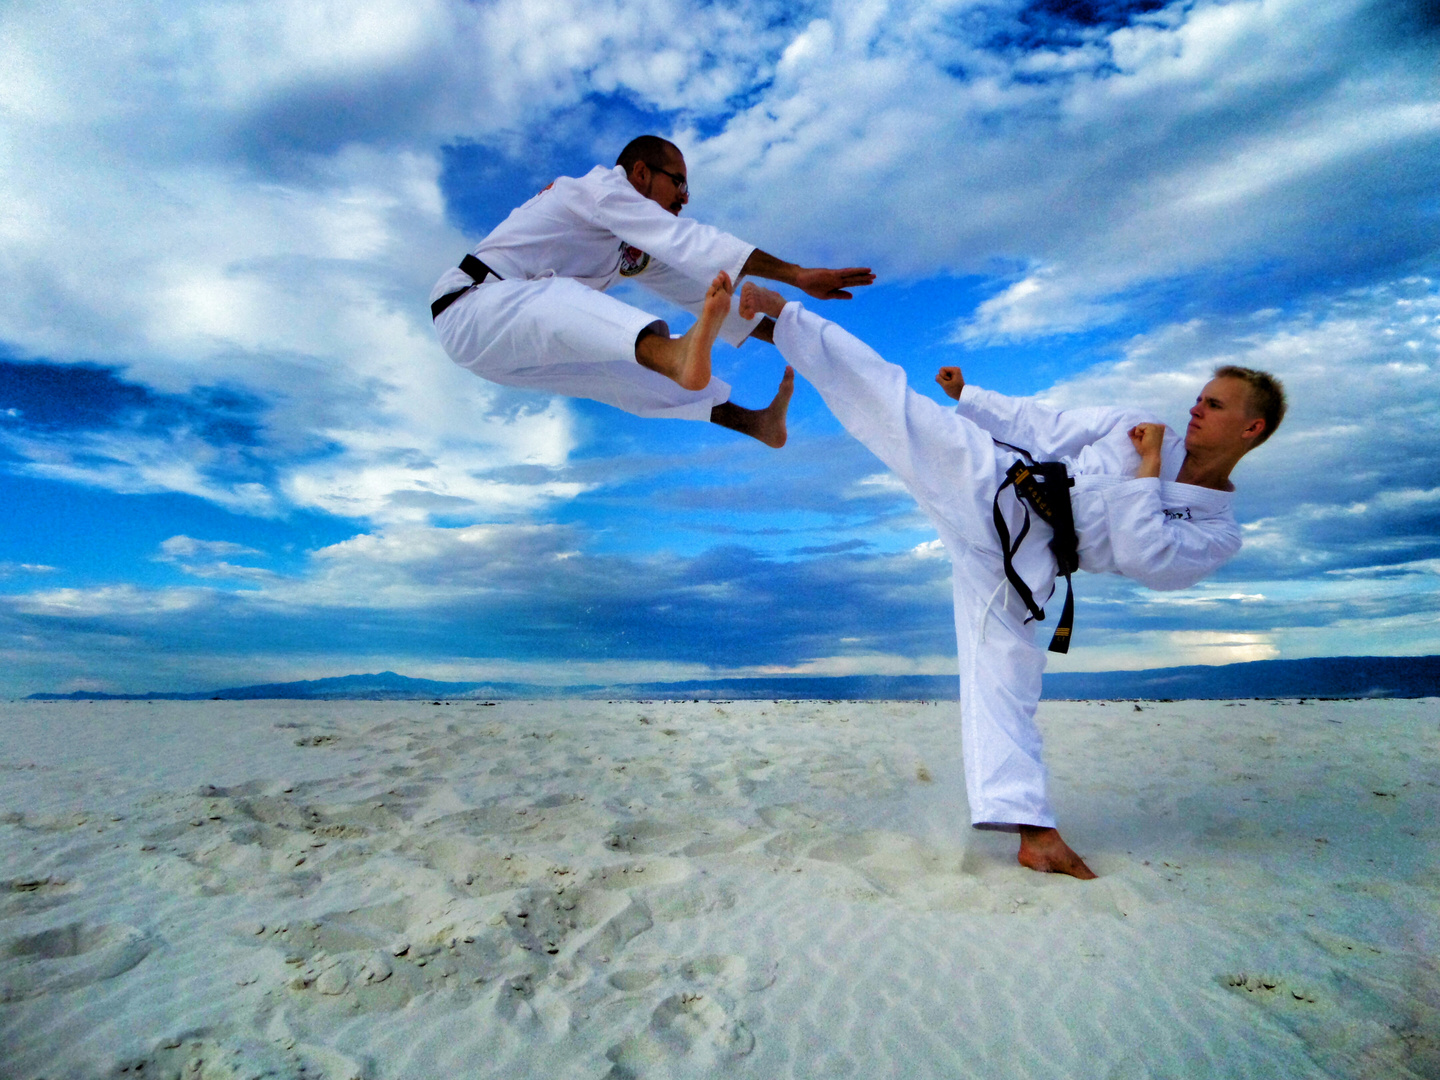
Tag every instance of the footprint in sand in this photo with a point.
(633, 980)
(788, 817)
(695, 1027)
(901, 867)
(647, 836)
(67, 957)
(478, 870)
(718, 970)
(640, 874)
(377, 959)
(724, 840)
(689, 899)
(734, 972)
(209, 1055)
(551, 819)
(1270, 987)
(76, 819)
(583, 925)
(691, 1023)
(529, 1003)
(244, 840)
(33, 892)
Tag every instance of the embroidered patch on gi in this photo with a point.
(1182, 514)
(632, 260)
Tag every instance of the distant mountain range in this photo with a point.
(1331, 676)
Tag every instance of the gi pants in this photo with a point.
(953, 468)
(557, 335)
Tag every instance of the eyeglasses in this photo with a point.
(682, 185)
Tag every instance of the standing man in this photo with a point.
(1146, 505)
(528, 309)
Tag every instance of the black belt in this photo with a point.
(1045, 488)
(477, 270)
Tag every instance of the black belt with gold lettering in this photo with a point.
(1044, 487)
(477, 270)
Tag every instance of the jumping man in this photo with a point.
(528, 307)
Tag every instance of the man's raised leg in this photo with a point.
(945, 461)
(767, 424)
(686, 359)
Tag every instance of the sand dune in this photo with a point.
(757, 889)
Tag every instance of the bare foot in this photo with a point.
(1043, 850)
(694, 369)
(770, 427)
(755, 298)
(686, 360)
(767, 424)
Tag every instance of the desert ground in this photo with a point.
(681, 889)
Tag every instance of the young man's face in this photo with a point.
(1221, 418)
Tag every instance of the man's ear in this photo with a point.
(1253, 430)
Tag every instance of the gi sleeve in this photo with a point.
(694, 249)
(1160, 552)
(1046, 433)
(688, 293)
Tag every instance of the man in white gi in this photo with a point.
(528, 309)
(1146, 504)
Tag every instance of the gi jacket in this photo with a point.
(598, 230)
(1157, 531)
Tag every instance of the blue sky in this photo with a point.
(231, 450)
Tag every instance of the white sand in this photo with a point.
(752, 889)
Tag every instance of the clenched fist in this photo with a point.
(951, 381)
(1147, 439)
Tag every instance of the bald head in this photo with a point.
(656, 169)
(654, 151)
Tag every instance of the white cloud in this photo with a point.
(140, 231)
(930, 549)
(1208, 138)
(247, 194)
(109, 600)
(876, 483)
(183, 547)
(1359, 450)
(861, 662)
(132, 462)
(1136, 651)
(9, 569)
(207, 559)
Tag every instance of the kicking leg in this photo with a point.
(686, 360)
(767, 424)
(947, 463)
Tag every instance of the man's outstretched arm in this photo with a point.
(818, 282)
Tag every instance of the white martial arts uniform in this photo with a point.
(1163, 534)
(548, 325)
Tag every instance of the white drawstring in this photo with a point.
(985, 615)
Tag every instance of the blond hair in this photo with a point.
(1267, 396)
